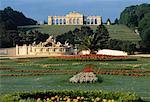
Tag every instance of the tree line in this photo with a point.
(9, 20)
(138, 17)
(87, 39)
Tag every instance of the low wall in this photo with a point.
(32, 50)
(8, 51)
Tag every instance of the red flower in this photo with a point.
(88, 69)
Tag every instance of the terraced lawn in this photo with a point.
(121, 32)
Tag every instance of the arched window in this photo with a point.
(88, 21)
(92, 21)
(95, 21)
(77, 20)
(60, 21)
(64, 21)
(56, 21)
(53, 21)
(74, 21)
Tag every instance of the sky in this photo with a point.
(41, 9)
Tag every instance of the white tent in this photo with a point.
(112, 52)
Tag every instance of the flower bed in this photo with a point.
(72, 96)
(92, 57)
(105, 71)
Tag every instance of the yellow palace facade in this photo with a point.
(74, 18)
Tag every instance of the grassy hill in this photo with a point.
(116, 31)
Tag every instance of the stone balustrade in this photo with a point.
(33, 50)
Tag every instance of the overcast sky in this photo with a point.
(41, 9)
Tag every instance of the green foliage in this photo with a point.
(119, 31)
(122, 45)
(9, 20)
(14, 18)
(86, 39)
(144, 28)
(116, 21)
(68, 36)
(101, 37)
(88, 95)
(132, 15)
(32, 36)
(13, 37)
(138, 16)
(144, 23)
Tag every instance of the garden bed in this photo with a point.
(72, 96)
(93, 57)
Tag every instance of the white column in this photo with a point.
(55, 21)
(29, 49)
(17, 49)
(93, 21)
(76, 21)
(89, 21)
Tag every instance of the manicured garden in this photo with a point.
(38, 74)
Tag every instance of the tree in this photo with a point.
(4, 38)
(15, 18)
(69, 37)
(138, 17)
(31, 36)
(86, 39)
(101, 37)
(132, 15)
(116, 21)
(144, 29)
(9, 20)
(127, 46)
(108, 22)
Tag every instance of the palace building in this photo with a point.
(74, 18)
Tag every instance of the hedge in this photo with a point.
(71, 96)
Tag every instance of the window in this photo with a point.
(70, 21)
(64, 21)
(92, 21)
(74, 21)
(88, 21)
(77, 20)
(60, 21)
(56, 21)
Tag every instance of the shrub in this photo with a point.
(66, 95)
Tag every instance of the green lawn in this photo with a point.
(116, 31)
(59, 81)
